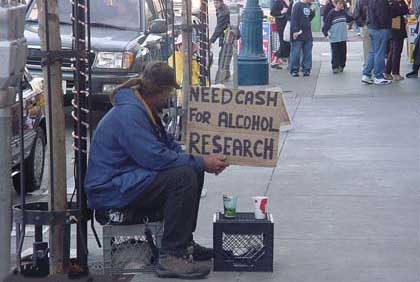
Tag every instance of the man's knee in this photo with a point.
(186, 179)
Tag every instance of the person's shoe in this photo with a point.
(335, 71)
(183, 268)
(295, 74)
(382, 81)
(367, 79)
(412, 74)
(388, 76)
(341, 69)
(200, 253)
(306, 73)
(397, 77)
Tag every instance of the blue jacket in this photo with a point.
(336, 24)
(129, 148)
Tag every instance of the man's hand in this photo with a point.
(215, 164)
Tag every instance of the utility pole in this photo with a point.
(187, 61)
(49, 32)
(12, 58)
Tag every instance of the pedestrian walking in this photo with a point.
(379, 21)
(281, 11)
(223, 22)
(301, 38)
(360, 15)
(416, 54)
(336, 28)
(396, 42)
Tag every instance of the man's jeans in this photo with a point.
(376, 58)
(299, 48)
(177, 192)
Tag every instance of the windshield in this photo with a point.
(123, 14)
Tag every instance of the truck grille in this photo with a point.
(34, 61)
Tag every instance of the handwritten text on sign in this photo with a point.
(240, 124)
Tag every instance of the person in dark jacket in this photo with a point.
(134, 166)
(301, 38)
(416, 53)
(223, 22)
(327, 8)
(379, 19)
(281, 11)
(360, 16)
(336, 26)
(396, 43)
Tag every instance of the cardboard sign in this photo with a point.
(242, 125)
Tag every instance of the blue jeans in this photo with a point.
(376, 57)
(299, 48)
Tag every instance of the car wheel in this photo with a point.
(34, 164)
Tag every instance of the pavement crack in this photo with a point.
(281, 148)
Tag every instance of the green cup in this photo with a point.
(229, 204)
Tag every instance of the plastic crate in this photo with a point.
(243, 243)
(125, 249)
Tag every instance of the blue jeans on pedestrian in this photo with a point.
(301, 56)
(376, 57)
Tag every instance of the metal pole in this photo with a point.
(80, 125)
(236, 19)
(5, 187)
(187, 57)
(13, 54)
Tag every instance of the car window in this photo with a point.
(119, 13)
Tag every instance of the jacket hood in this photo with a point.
(126, 96)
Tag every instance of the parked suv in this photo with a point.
(125, 35)
(34, 127)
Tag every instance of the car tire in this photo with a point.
(34, 164)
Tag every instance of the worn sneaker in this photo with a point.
(341, 69)
(397, 77)
(179, 267)
(388, 76)
(200, 253)
(306, 73)
(412, 74)
(382, 81)
(295, 74)
(367, 79)
(335, 71)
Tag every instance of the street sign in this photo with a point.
(242, 125)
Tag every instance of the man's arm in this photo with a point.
(223, 21)
(143, 146)
(295, 19)
(327, 25)
(312, 15)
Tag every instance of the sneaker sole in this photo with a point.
(168, 274)
(367, 82)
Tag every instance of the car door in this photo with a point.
(32, 112)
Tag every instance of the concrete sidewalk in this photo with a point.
(345, 194)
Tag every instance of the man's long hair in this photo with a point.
(156, 78)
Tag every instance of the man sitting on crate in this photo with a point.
(135, 168)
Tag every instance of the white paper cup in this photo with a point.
(260, 207)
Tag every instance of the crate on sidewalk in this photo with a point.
(243, 243)
(126, 250)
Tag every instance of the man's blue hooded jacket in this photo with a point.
(128, 150)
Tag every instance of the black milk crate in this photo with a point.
(243, 243)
